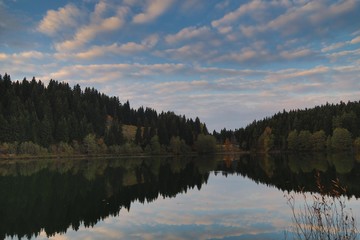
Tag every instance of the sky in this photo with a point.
(228, 62)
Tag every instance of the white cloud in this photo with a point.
(31, 54)
(126, 48)
(297, 53)
(242, 10)
(102, 73)
(341, 8)
(225, 30)
(248, 55)
(187, 33)
(305, 18)
(345, 53)
(3, 56)
(99, 10)
(333, 46)
(294, 14)
(355, 40)
(290, 74)
(222, 5)
(23, 56)
(153, 10)
(192, 52)
(98, 25)
(56, 21)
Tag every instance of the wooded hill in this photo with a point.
(331, 127)
(71, 119)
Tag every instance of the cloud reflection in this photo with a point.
(235, 211)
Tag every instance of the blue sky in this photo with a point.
(228, 62)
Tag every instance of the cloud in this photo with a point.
(97, 26)
(335, 11)
(241, 11)
(300, 18)
(192, 52)
(297, 53)
(3, 56)
(344, 53)
(222, 5)
(23, 56)
(115, 48)
(289, 22)
(291, 75)
(249, 55)
(101, 73)
(153, 10)
(187, 33)
(313, 18)
(31, 55)
(225, 30)
(56, 21)
(355, 40)
(333, 46)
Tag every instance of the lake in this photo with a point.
(218, 197)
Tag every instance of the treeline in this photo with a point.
(60, 118)
(330, 127)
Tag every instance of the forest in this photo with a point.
(329, 127)
(59, 119)
(37, 119)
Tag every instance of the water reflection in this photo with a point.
(55, 195)
(294, 172)
(52, 196)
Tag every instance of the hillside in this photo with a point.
(33, 113)
(328, 127)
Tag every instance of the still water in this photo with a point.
(163, 198)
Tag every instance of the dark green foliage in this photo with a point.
(318, 141)
(299, 130)
(178, 146)
(205, 144)
(48, 115)
(292, 140)
(341, 140)
(304, 143)
(114, 135)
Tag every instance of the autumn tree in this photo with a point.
(266, 140)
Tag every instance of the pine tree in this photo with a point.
(138, 135)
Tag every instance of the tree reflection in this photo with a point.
(294, 172)
(52, 196)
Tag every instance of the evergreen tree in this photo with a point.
(46, 115)
(138, 135)
(62, 131)
(45, 132)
